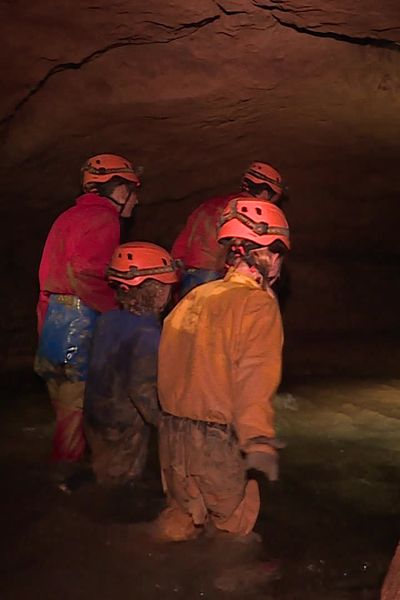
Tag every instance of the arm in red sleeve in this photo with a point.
(183, 241)
(92, 255)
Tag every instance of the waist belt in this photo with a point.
(68, 300)
(221, 426)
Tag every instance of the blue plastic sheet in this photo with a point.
(66, 337)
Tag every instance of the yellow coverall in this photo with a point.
(219, 368)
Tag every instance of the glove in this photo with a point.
(265, 462)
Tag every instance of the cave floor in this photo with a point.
(329, 527)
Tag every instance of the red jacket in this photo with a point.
(197, 244)
(77, 252)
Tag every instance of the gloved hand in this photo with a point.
(265, 462)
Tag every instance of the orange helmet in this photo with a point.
(103, 167)
(134, 262)
(254, 220)
(261, 172)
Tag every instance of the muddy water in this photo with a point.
(329, 526)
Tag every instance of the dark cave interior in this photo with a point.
(195, 91)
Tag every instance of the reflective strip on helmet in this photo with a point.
(135, 272)
(258, 228)
(263, 177)
(105, 171)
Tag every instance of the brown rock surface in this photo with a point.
(194, 91)
(391, 585)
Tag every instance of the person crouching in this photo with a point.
(121, 391)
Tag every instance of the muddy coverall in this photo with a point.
(121, 394)
(219, 368)
(197, 247)
(73, 291)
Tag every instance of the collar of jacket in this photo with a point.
(234, 277)
(91, 199)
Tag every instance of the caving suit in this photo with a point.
(197, 247)
(219, 368)
(73, 292)
(121, 394)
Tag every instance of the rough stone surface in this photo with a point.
(391, 586)
(193, 91)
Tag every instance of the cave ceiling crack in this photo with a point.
(286, 9)
(180, 31)
(311, 30)
(228, 12)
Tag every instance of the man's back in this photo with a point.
(220, 349)
(197, 244)
(123, 361)
(77, 252)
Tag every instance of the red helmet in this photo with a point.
(103, 167)
(254, 220)
(261, 172)
(134, 262)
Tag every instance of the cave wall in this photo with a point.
(194, 91)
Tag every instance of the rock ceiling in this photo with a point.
(193, 91)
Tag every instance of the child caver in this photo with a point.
(121, 392)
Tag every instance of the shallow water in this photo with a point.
(330, 523)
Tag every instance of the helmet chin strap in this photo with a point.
(120, 205)
(264, 279)
(117, 204)
(271, 280)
